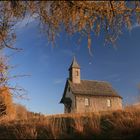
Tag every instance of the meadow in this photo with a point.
(116, 125)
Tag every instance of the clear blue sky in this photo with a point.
(49, 65)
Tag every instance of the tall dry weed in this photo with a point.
(121, 124)
(25, 131)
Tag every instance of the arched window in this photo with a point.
(86, 101)
(108, 103)
(77, 73)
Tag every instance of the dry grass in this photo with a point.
(123, 124)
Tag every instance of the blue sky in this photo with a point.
(48, 65)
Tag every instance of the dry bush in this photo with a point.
(21, 112)
(94, 124)
(78, 124)
(6, 104)
(25, 131)
(120, 124)
(127, 124)
(74, 125)
(59, 126)
(18, 131)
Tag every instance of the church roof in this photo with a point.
(98, 88)
(74, 64)
(91, 88)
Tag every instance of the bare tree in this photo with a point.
(6, 107)
(3, 71)
(7, 91)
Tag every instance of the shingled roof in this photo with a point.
(92, 88)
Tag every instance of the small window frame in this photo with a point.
(77, 73)
(108, 103)
(87, 103)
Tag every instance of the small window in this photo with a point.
(86, 102)
(108, 103)
(77, 73)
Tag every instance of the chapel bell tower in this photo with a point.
(74, 72)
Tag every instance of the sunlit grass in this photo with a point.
(121, 124)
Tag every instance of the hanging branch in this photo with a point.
(72, 15)
(112, 8)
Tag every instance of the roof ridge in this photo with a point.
(95, 80)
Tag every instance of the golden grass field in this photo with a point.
(120, 125)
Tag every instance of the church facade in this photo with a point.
(82, 96)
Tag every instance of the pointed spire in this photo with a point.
(74, 64)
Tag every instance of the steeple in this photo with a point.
(74, 64)
(74, 71)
